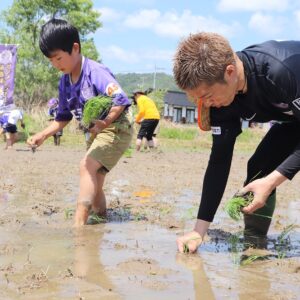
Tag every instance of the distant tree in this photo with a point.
(158, 97)
(36, 81)
(132, 81)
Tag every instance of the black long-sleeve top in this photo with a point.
(273, 93)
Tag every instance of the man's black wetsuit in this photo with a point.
(273, 93)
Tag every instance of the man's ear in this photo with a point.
(230, 72)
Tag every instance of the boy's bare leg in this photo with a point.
(99, 202)
(150, 144)
(145, 142)
(14, 138)
(8, 140)
(138, 144)
(88, 188)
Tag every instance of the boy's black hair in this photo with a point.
(58, 34)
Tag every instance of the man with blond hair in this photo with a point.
(260, 83)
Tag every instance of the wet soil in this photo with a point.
(152, 198)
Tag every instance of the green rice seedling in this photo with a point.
(190, 213)
(69, 213)
(186, 247)
(251, 258)
(95, 108)
(234, 206)
(95, 219)
(282, 241)
(234, 241)
(286, 231)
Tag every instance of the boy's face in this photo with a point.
(65, 62)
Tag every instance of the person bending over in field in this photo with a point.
(83, 79)
(260, 83)
(52, 112)
(148, 117)
(8, 124)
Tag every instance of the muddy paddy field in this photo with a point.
(152, 198)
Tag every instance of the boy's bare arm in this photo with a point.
(41, 136)
(113, 114)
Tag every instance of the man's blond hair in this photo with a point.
(202, 58)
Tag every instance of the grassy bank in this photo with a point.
(171, 136)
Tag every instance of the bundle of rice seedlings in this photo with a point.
(234, 206)
(95, 108)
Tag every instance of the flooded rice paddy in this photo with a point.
(152, 198)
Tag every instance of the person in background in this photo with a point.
(8, 124)
(260, 83)
(83, 79)
(148, 117)
(52, 113)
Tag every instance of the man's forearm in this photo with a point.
(201, 227)
(275, 179)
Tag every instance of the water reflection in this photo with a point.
(202, 286)
(87, 262)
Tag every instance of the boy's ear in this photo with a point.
(76, 47)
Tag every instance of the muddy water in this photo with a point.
(133, 255)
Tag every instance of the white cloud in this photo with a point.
(119, 54)
(158, 55)
(268, 25)
(109, 14)
(297, 15)
(171, 24)
(144, 19)
(253, 5)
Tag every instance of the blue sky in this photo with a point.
(142, 35)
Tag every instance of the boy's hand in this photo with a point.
(36, 140)
(189, 243)
(99, 125)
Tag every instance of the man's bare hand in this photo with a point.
(189, 243)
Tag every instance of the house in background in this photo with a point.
(177, 108)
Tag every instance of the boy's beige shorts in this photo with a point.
(110, 144)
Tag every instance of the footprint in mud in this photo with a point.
(45, 209)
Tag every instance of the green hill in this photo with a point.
(132, 81)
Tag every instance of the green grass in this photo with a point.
(172, 137)
(128, 152)
(179, 133)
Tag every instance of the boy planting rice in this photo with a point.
(84, 79)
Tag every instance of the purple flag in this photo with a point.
(8, 57)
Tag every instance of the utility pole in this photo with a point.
(154, 75)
